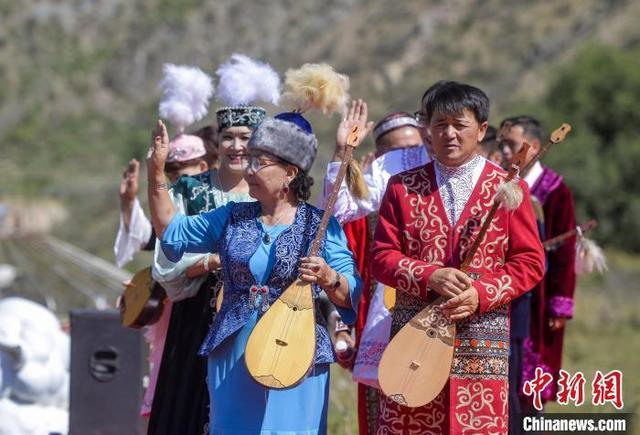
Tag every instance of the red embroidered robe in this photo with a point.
(412, 240)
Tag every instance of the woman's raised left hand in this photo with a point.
(159, 147)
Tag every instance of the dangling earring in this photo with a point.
(285, 189)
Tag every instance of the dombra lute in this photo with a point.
(142, 302)
(389, 297)
(281, 348)
(416, 364)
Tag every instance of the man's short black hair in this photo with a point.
(453, 98)
(531, 128)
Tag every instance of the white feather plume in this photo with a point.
(186, 91)
(247, 81)
(509, 195)
(589, 256)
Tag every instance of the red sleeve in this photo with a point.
(357, 239)
(560, 280)
(524, 261)
(389, 264)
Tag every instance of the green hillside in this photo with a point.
(79, 79)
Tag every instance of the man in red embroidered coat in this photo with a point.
(428, 220)
(552, 303)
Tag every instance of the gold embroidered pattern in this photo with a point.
(475, 410)
(408, 275)
(425, 233)
(499, 293)
(430, 419)
(489, 254)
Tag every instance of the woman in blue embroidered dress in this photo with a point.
(262, 244)
(181, 401)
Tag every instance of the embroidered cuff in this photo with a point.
(412, 276)
(561, 306)
(493, 292)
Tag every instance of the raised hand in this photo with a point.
(160, 205)
(357, 115)
(129, 182)
(159, 148)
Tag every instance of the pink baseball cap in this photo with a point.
(185, 147)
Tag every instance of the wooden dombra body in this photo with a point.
(281, 348)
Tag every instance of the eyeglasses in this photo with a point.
(256, 163)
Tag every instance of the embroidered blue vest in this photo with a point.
(239, 241)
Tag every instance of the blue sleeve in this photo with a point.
(339, 257)
(198, 234)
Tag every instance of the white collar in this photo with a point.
(473, 166)
(534, 173)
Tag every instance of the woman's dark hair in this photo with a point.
(209, 135)
(301, 186)
(176, 166)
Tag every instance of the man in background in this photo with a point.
(552, 300)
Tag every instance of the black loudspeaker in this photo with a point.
(108, 363)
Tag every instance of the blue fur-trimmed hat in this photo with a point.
(288, 136)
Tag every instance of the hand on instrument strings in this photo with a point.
(557, 323)
(357, 115)
(463, 305)
(159, 148)
(449, 282)
(315, 270)
(129, 182)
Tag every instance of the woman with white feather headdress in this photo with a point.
(265, 246)
(181, 403)
(186, 92)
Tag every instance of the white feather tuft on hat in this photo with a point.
(244, 81)
(186, 91)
